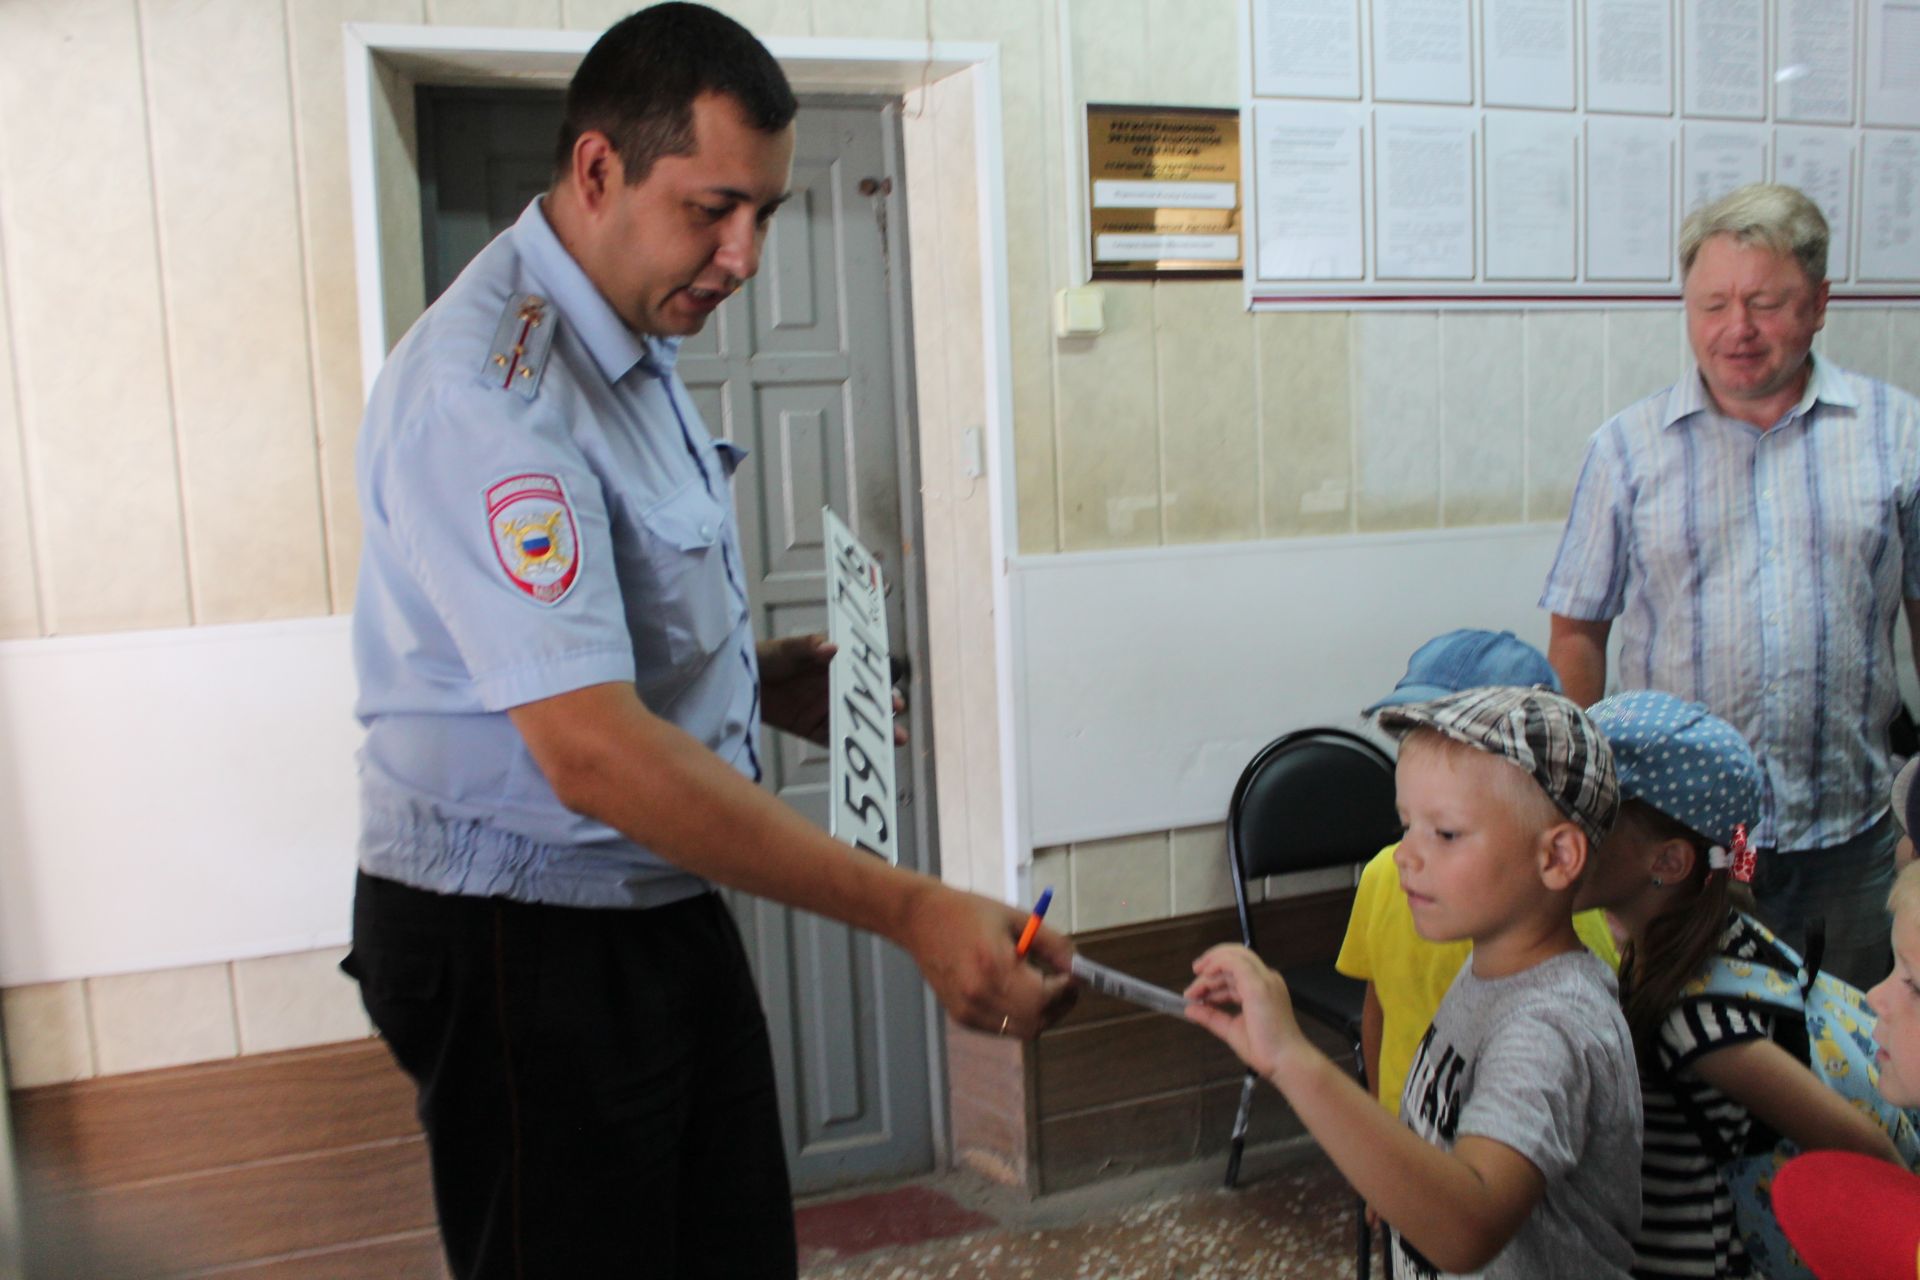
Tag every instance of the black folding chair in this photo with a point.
(1310, 799)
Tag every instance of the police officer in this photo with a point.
(563, 701)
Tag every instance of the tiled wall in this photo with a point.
(1103, 883)
(179, 371)
(62, 1031)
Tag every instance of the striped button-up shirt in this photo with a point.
(1760, 573)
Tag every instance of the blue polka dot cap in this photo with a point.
(1906, 797)
(1681, 759)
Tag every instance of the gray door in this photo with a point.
(806, 368)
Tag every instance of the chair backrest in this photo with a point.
(1313, 798)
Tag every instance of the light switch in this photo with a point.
(1081, 312)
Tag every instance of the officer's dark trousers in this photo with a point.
(596, 1086)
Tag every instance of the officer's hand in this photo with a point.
(964, 945)
(793, 687)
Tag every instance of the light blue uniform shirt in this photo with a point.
(1760, 573)
(535, 522)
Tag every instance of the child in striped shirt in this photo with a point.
(1673, 876)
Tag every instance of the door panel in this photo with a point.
(798, 367)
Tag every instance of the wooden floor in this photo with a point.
(293, 1166)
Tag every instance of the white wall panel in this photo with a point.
(1149, 678)
(174, 797)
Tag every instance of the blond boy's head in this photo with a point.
(1896, 1001)
(1504, 791)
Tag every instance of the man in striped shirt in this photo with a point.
(1756, 528)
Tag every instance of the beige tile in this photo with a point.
(938, 486)
(1397, 419)
(1023, 31)
(972, 568)
(1053, 868)
(1112, 59)
(598, 15)
(1306, 421)
(1202, 880)
(1856, 338)
(1209, 433)
(146, 1020)
(494, 13)
(1195, 49)
(47, 1037)
(764, 18)
(871, 19)
(1300, 883)
(1120, 881)
(1566, 389)
(1646, 350)
(84, 285)
(1483, 418)
(19, 577)
(1903, 337)
(231, 262)
(326, 213)
(1109, 441)
(403, 284)
(286, 1002)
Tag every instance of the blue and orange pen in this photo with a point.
(1033, 921)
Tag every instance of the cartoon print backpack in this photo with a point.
(1826, 1024)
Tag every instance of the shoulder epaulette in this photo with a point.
(521, 343)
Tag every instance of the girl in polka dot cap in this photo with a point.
(1672, 875)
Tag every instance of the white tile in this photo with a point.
(1202, 879)
(287, 1002)
(230, 257)
(1646, 350)
(1566, 392)
(326, 211)
(1483, 415)
(1856, 338)
(142, 1021)
(47, 1037)
(1121, 881)
(19, 579)
(1397, 419)
(84, 285)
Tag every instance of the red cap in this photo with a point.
(1850, 1217)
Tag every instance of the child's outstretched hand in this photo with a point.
(1262, 1030)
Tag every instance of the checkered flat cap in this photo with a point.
(1542, 732)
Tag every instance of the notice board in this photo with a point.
(1512, 153)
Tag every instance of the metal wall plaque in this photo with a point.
(1163, 191)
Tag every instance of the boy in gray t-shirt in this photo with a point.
(1518, 1150)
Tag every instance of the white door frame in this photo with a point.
(952, 135)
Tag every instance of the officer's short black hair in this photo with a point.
(638, 82)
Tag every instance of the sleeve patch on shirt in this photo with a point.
(534, 535)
